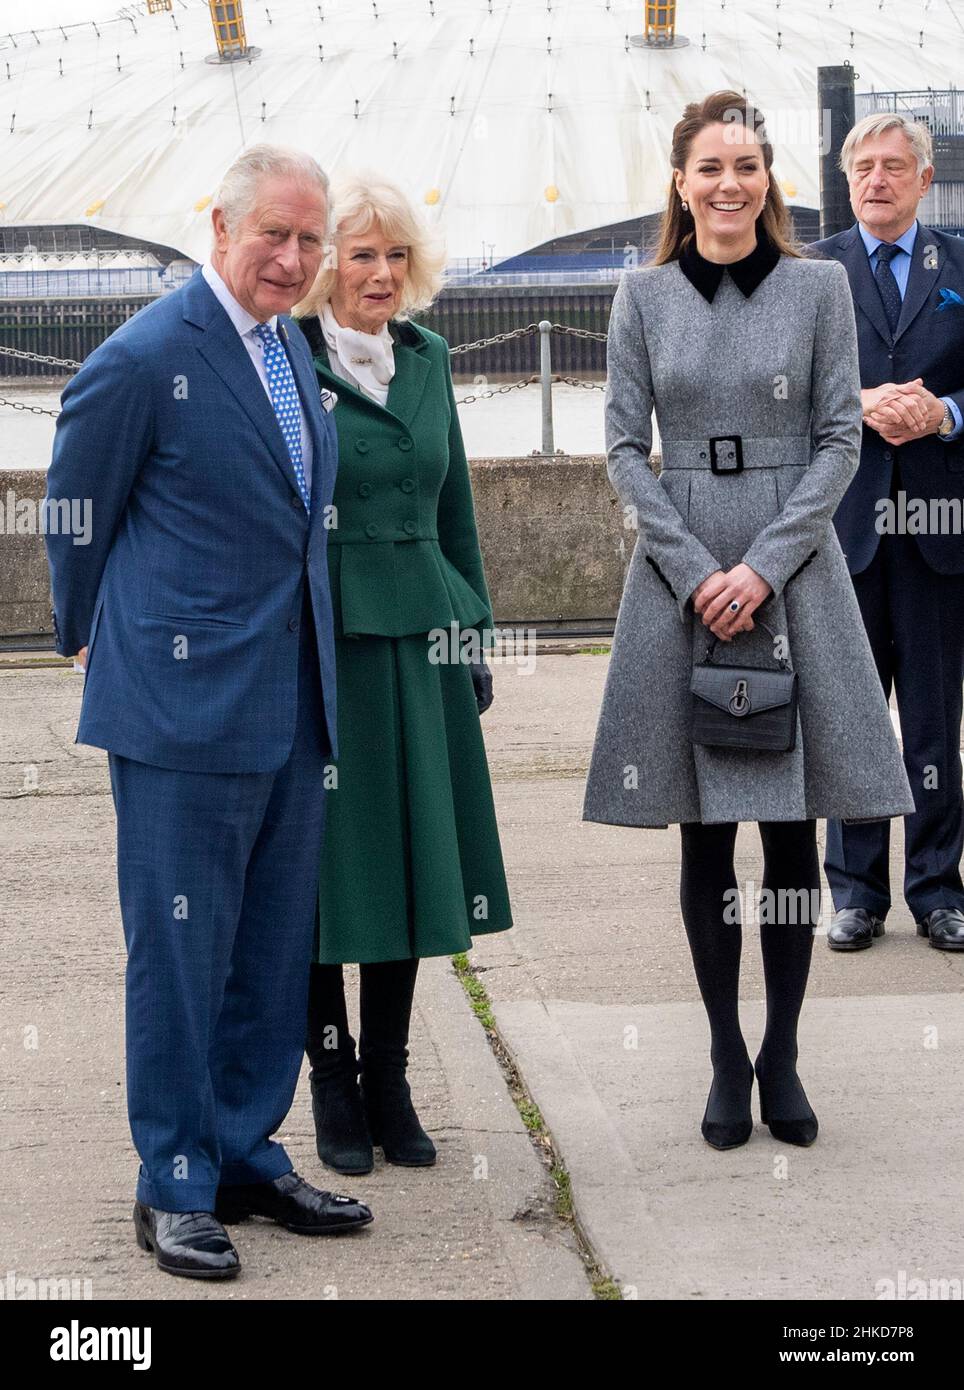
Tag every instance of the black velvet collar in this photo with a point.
(748, 273)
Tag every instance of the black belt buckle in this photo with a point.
(726, 453)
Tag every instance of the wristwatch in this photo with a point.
(947, 424)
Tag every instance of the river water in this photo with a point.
(508, 424)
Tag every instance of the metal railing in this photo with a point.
(941, 110)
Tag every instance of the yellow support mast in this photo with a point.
(227, 16)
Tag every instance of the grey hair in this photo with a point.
(918, 137)
(238, 190)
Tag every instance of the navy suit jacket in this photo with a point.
(928, 343)
(189, 594)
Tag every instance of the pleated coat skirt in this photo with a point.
(412, 864)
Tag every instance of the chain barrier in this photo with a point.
(530, 381)
(31, 409)
(499, 338)
(480, 343)
(524, 332)
(39, 357)
(586, 385)
(35, 357)
(498, 390)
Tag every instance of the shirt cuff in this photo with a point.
(958, 419)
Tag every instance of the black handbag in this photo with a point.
(751, 707)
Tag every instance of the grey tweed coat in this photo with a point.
(779, 369)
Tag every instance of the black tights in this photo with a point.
(712, 918)
(385, 1006)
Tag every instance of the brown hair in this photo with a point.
(720, 108)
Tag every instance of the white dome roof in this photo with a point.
(474, 137)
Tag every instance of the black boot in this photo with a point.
(387, 990)
(341, 1129)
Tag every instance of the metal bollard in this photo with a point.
(545, 367)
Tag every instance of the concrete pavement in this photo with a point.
(594, 995)
(480, 1225)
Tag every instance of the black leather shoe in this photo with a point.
(294, 1204)
(945, 927)
(191, 1243)
(854, 929)
(341, 1129)
(392, 1121)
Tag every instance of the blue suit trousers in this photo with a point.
(913, 619)
(218, 887)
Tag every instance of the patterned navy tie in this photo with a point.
(887, 283)
(284, 398)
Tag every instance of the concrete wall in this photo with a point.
(24, 583)
(551, 533)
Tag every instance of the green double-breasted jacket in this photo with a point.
(403, 550)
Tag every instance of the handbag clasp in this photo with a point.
(739, 703)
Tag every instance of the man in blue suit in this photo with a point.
(900, 525)
(198, 434)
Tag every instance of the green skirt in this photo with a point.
(411, 864)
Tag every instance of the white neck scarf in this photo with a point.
(365, 359)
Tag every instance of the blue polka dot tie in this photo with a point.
(284, 398)
(887, 283)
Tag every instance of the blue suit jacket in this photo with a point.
(929, 343)
(189, 595)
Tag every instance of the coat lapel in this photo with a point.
(853, 253)
(222, 348)
(926, 264)
(412, 371)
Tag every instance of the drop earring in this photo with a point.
(686, 206)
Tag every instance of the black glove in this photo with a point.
(482, 681)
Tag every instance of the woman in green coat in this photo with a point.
(411, 865)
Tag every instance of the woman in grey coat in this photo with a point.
(747, 351)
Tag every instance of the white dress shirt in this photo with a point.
(245, 324)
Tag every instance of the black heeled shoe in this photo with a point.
(726, 1134)
(802, 1131)
(392, 1121)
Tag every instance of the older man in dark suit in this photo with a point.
(900, 525)
(203, 603)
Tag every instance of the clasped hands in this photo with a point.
(901, 411)
(712, 599)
